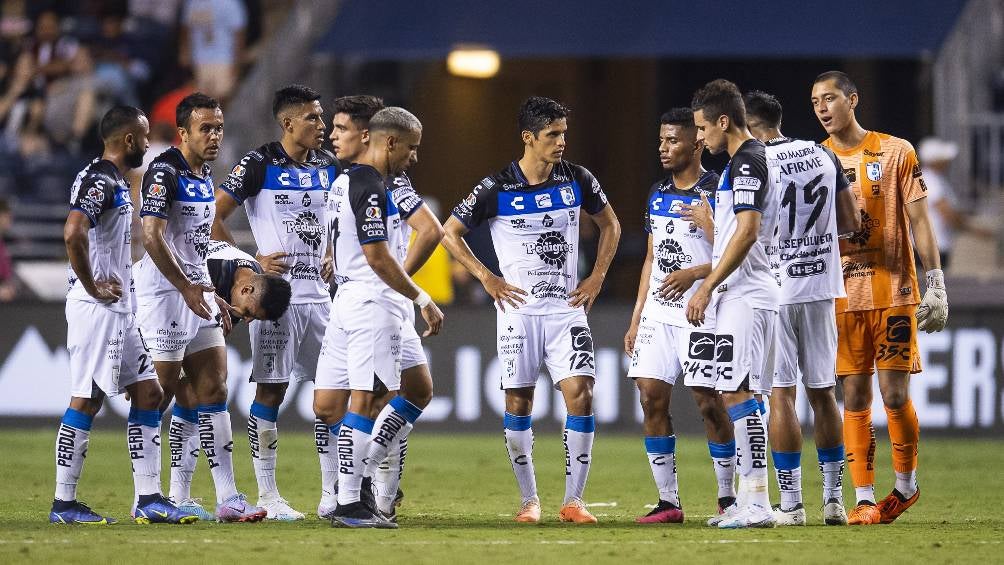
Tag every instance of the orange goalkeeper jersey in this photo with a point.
(879, 269)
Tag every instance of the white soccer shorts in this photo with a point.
(362, 346)
(412, 352)
(290, 346)
(562, 342)
(744, 346)
(172, 331)
(807, 343)
(107, 353)
(663, 351)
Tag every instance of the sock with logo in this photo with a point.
(183, 439)
(904, 433)
(788, 465)
(831, 465)
(217, 439)
(395, 421)
(263, 437)
(723, 458)
(751, 449)
(71, 449)
(519, 443)
(388, 475)
(661, 452)
(353, 442)
(325, 439)
(859, 439)
(143, 440)
(579, 432)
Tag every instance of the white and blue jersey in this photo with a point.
(535, 229)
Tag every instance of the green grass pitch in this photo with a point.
(460, 496)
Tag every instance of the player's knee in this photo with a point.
(579, 402)
(895, 398)
(89, 406)
(214, 392)
(271, 394)
(653, 405)
(150, 397)
(821, 399)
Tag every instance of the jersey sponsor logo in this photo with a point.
(868, 224)
(517, 203)
(199, 238)
(205, 213)
(306, 200)
(855, 269)
(373, 212)
(305, 180)
(520, 224)
(188, 211)
(282, 200)
(544, 289)
(744, 169)
(283, 178)
(571, 217)
(851, 174)
(676, 207)
(744, 197)
(670, 227)
(551, 247)
(238, 171)
(156, 190)
(873, 170)
(307, 227)
(304, 271)
(670, 256)
(96, 194)
(582, 348)
(751, 182)
(702, 346)
(471, 200)
(806, 269)
(898, 329)
(543, 200)
(723, 348)
(487, 182)
(547, 221)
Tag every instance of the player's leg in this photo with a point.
(721, 442)
(331, 401)
(785, 429)
(520, 347)
(183, 439)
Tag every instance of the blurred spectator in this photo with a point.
(936, 156)
(8, 283)
(162, 115)
(213, 34)
(117, 68)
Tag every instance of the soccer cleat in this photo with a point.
(663, 513)
(864, 514)
(237, 509)
(357, 515)
(194, 506)
(367, 496)
(398, 497)
(834, 513)
(278, 508)
(750, 516)
(76, 512)
(793, 517)
(326, 507)
(575, 511)
(723, 514)
(529, 513)
(160, 510)
(895, 504)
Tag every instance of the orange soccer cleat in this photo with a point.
(895, 504)
(575, 511)
(530, 512)
(864, 515)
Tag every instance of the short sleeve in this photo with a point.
(160, 188)
(842, 182)
(593, 197)
(478, 206)
(405, 197)
(368, 200)
(911, 179)
(245, 179)
(92, 196)
(748, 176)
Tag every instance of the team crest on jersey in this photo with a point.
(567, 196)
(157, 190)
(873, 170)
(543, 200)
(322, 175)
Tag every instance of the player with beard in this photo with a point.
(107, 352)
(660, 341)
(533, 208)
(178, 312)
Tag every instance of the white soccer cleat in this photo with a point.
(793, 517)
(326, 506)
(726, 514)
(834, 513)
(279, 509)
(750, 516)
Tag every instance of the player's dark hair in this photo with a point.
(765, 107)
(188, 104)
(117, 118)
(292, 95)
(360, 108)
(275, 297)
(678, 117)
(538, 112)
(720, 97)
(843, 82)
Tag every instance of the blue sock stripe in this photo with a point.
(358, 422)
(209, 408)
(270, 413)
(190, 415)
(830, 454)
(660, 445)
(333, 428)
(787, 460)
(148, 418)
(405, 408)
(743, 409)
(583, 424)
(516, 423)
(77, 419)
(761, 407)
(722, 450)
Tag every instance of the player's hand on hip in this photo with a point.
(433, 316)
(629, 338)
(327, 269)
(932, 314)
(226, 315)
(587, 291)
(699, 214)
(697, 306)
(676, 283)
(195, 298)
(109, 291)
(273, 263)
(503, 292)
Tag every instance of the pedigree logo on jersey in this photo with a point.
(307, 227)
(868, 224)
(199, 238)
(551, 247)
(670, 256)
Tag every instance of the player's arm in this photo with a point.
(747, 227)
(77, 248)
(679, 282)
(932, 314)
(428, 233)
(639, 303)
(225, 206)
(700, 214)
(496, 287)
(846, 204)
(610, 234)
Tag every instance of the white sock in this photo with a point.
(388, 475)
(723, 458)
(579, 432)
(519, 443)
(263, 437)
(217, 439)
(71, 449)
(751, 450)
(183, 439)
(395, 421)
(353, 442)
(661, 452)
(831, 465)
(865, 493)
(328, 456)
(143, 439)
(788, 469)
(906, 483)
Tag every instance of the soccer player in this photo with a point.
(107, 353)
(660, 341)
(744, 289)
(177, 309)
(878, 321)
(362, 345)
(815, 207)
(533, 208)
(283, 186)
